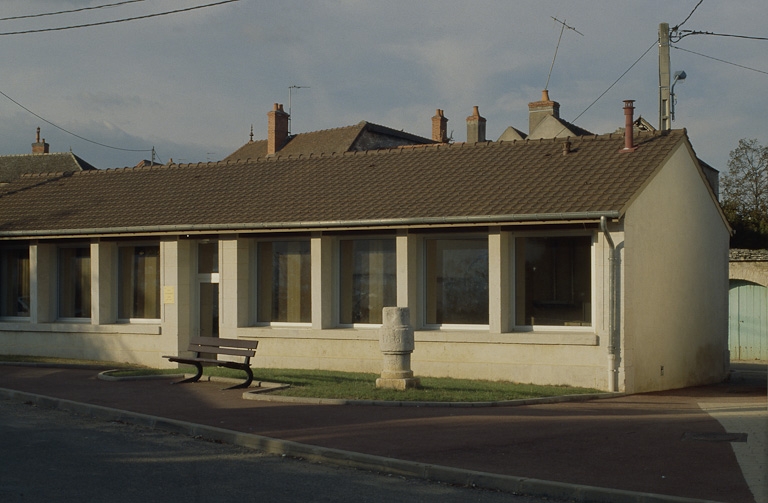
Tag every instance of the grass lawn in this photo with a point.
(346, 385)
(362, 386)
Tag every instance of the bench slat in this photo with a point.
(219, 341)
(222, 351)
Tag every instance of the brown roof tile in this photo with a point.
(418, 184)
(13, 166)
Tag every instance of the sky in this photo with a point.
(190, 85)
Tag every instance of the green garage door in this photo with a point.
(748, 321)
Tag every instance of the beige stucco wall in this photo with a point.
(553, 358)
(675, 309)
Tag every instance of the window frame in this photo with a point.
(514, 280)
(119, 284)
(425, 280)
(256, 286)
(58, 296)
(16, 317)
(337, 279)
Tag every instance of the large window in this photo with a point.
(367, 279)
(457, 281)
(74, 270)
(284, 282)
(139, 282)
(14, 281)
(554, 280)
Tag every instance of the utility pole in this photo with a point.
(665, 122)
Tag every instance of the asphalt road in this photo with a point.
(51, 455)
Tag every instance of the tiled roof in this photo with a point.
(461, 182)
(330, 141)
(13, 166)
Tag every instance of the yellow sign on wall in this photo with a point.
(168, 295)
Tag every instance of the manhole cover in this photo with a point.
(715, 436)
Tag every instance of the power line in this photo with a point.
(617, 80)
(695, 32)
(720, 60)
(689, 16)
(88, 25)
(69, 11)
(70, 132)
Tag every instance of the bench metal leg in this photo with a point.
(247, 382)
(195, 377)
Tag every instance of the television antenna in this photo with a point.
(562, 29)
(290, 92)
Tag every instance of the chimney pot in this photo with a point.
(475, 126)
(440, 127)
(40, 147)
(629, 123)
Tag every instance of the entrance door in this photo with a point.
(208, 289)
(209, 309)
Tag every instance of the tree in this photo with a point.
(744, 191)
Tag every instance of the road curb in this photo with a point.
(435, 473)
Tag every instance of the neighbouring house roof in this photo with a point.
(551, 126)
(13, 166)
(429, 184)
(362, 136)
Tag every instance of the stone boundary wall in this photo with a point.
(749, 265)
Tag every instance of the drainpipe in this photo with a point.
(612, 370)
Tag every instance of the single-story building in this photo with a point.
(598, 261)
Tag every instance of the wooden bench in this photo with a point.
(207, 348)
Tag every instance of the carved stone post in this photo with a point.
(396, 343)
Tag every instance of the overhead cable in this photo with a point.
(147, 16)
(69, 11)
(617, 80)
(685, 33)
(70, 132)
(689, 16)
(720, 60)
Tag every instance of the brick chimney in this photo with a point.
(40, 147)
(475, 127)
(440, 127)
(538, 110)
(278, 129)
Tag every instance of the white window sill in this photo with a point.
(81, 327)
(477, 336)
(573, 338)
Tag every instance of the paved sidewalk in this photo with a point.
(626, 448)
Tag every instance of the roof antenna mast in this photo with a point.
(562, 29)
(290, 92)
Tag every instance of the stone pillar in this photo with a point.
(396, 343)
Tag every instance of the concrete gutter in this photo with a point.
(316, 225)
(436, 473)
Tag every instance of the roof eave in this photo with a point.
(541, 218)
